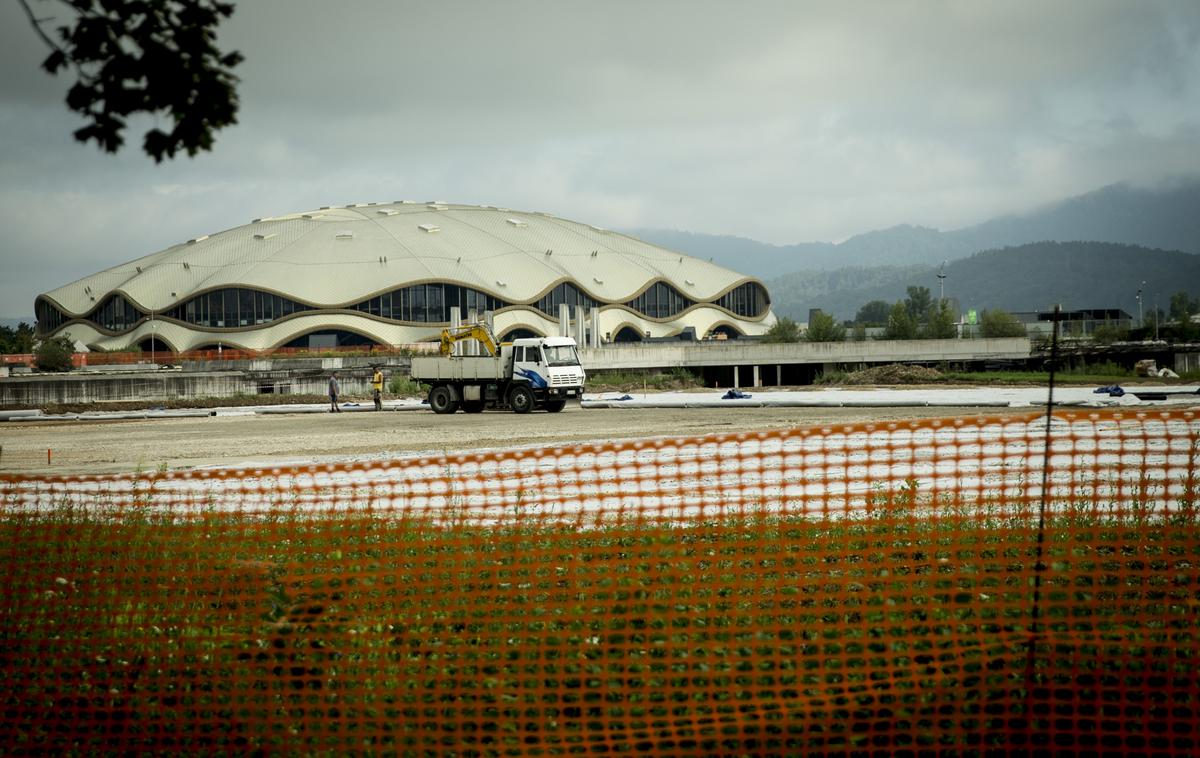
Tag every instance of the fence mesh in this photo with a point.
(868, 589)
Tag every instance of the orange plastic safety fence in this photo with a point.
(903, 588)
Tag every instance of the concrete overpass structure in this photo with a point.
(733, 363)
(738, 363)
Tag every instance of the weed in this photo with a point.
(759, 628)
(629, 381)
(404, 386)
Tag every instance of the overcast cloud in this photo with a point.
(780, 121)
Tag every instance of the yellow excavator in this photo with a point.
(450, 337)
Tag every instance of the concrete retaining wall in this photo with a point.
(89, 388)
(738, 353)
(351, 364)
(758, 362)
(268, 378)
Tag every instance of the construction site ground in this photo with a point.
(43, 447)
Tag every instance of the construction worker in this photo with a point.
(334, 389)
(377, 385)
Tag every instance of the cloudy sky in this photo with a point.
(781, 121)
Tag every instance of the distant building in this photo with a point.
(1081, 323)
(397, 273)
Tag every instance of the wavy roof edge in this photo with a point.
(181, 337)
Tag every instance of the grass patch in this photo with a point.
(403, 385)
(675, 378)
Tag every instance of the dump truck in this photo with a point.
(523, 375)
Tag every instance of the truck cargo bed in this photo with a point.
(458, 368)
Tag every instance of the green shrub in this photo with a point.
(823, 328)
(784, 330)
(54, 354)
(998, 323)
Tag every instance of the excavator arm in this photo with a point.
(468, 332)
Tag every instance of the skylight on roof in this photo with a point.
(201, 238)
(344, 236)
(518, 222)
(266, 236)
(311, 216)
(436, 206)
(430, 228)
(387, 211)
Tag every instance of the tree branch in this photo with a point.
(36, 23)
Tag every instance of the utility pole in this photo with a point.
(1141, 321)
(942, 284)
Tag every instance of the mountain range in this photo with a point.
(1138, 235)
(1029, 277)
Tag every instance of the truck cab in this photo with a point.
(549, 367)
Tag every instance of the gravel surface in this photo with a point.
(92, 447)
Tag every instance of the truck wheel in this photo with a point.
(472, 406)
(521, 399)
(554, 406)
(441, 400)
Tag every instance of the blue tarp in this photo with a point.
(1112, 391)
(735, 394)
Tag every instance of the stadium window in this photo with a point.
(435, 304)
(245, 307)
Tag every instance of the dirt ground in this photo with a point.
(94, 447)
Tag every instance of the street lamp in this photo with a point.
(1141, 321)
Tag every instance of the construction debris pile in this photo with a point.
(895, 373)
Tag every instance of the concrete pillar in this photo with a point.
(564, 320)
(757, 378)
(580, 325)
(778, 375)
(595, 341)
(471, 347)
(455, 323)
(737, 377)
(489, 320)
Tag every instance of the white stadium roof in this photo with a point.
(335, 257)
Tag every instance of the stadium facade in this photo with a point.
(397, 273)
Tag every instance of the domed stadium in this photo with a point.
(398, 273)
